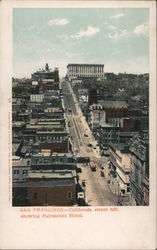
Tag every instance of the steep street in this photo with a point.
(97, 191)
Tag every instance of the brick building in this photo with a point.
(107, 111)
(53, 161)
(55, 140)
(55, 188)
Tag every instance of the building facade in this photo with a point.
(53, 162)
(57, 188)
(20, 168)
(36, 98)
(107, 111)
(107, 133)
(120, 166)
(85, 70)
(139, 175)
(56, 141)
(46, 188)
(46, 74)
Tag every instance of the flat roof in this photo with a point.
(47, 183)
(84, 64)
(115, 104)
(20, 162)
(51, 174)
(107, 125)
(54, 154)
(120, 146)
(52, 132)
(15, 147)
(53, 126)
(18, 123)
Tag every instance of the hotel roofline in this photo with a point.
(84, 64)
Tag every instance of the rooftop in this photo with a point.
(113, 104)
(84, 64)
(20, 162)
(67, 155)
(48, 183)
(15, 147)
(123, 147)
(51, 174)
(52, 132)
(18, 124)
(52, 109)
(107, 125)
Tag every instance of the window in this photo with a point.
(16, 171)
(69, 195)
(24, 172)
(35, 196)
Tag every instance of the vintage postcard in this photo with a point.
(78, 125)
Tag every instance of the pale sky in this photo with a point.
(118, 38)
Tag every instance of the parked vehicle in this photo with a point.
(92, 166)
(80, 195)
(81, 159)
(102, 172)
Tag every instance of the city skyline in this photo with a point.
(117, 38)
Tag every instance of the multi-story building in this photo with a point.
(85, 70)
(56, 141)
(59, 161)
(107, 133)
(125, 137)
(92, 96)
(55, 188)
(36, 98)
(46, 74)
(43, 188)
(83, 97)
(139, 175)
(46, 85)
(120, 165)
(97, 116)
(107, 111)
(20, 168)
(54, 112)
(115, 110)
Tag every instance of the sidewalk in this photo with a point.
(122, 199)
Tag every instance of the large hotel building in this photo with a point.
(85, 70)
